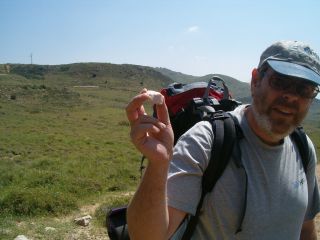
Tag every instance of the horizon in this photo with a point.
(183, 36)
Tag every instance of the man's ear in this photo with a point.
(255, 77)
(255, 81)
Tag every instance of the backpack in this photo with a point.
(227, 136)
(188, 104)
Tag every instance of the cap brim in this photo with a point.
(294, 70)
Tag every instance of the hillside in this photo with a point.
(64, 141)
(122, 76)
(98, 74)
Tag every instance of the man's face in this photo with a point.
(278, 112)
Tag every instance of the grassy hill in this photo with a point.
(100, 74)
(4, 69)
(64, 138)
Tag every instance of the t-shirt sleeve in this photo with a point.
(190, 159)
(313, 190)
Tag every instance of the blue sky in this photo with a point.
(193, 37)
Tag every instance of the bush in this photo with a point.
(38, 201)
(30, 71)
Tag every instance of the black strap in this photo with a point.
(300, 138)
(223, 128)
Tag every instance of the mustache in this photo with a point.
(283, 102)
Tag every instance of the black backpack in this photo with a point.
(227, 127)
(187, 105)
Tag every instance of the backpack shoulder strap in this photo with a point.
(225, 136)
(300, 139)
(223, 127)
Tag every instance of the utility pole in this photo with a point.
(31, 58)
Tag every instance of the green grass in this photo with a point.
(82, 155)
(35, 226)
(63, 146)
(60, 148)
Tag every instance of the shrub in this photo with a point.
(37, 201)
(124, 123)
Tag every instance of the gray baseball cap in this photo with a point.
(293, 58)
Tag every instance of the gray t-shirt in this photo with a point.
(280, 197)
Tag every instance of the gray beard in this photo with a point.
(264, 123)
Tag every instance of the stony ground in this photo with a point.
(90, 232)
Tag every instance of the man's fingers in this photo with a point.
(135, 107)
(163, 114)
(145, 119)
(142, 129)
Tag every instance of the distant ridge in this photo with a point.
(240, 90)
(128, 76)
(114, 75)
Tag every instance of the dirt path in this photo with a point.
(90, 232)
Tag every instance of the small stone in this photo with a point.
(155, 97)
(49, 229)
(83, 221)
(21, 237)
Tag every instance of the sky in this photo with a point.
(192, 37)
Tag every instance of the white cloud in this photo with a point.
(193, 29)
